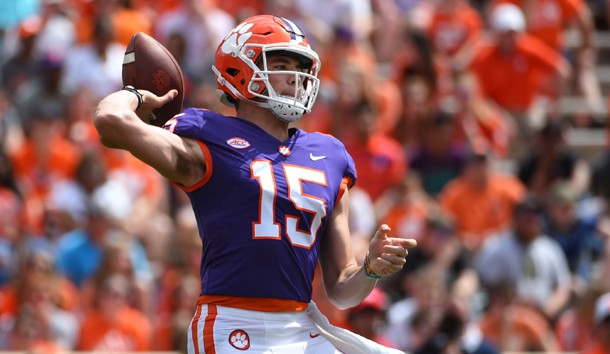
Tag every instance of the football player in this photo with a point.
(270, 201)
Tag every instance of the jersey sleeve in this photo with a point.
(196, 124)
(350, 170)
(189, 123)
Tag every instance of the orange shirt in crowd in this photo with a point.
(595, 349)
(381, 163)
(68, 297)
(127, 22)
(132, 331)
(150, 179)
(449, 31)
(570, 328)
(548, 19)
(515, 80)
(516, 328)
(409, 217)
(36, 171)
(480, 211)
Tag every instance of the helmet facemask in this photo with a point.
(306, 84)
(287, 108)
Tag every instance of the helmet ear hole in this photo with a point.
(232, 71)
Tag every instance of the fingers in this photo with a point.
(168, 97)
(389, 264)
(153, 101)
(382, 232)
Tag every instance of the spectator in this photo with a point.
(354, 15)
(456, 334)
(575, 233)
(480, 201)
(549, 20)
(601, 327)
(11, 233)
(182, 313)
(515, 69)
(96, 65)
(379, 158)
(128, 19)
(573, 327)
(117, 260)
(512, 325)
(439, 249)
(58, 295)
(407, 207)
(46, 157)
(79, 252)
(39, 297)
(420, 78)
(23, 65)
(43, 93)
(412, 320)
(58, 32)
(180, 268)
(203, 25)
(114, 326)
(454, 29)
(439, 158)
(350, 78)
(368, 318)
(551, 160)
(529, 261)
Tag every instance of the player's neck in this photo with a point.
(265, 119)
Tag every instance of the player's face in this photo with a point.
(285, 84)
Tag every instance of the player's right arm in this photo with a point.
(178, 159)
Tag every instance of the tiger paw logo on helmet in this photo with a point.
(239, 340)
(237, 38)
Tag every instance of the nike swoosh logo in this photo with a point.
(316, 158)
(314, 335)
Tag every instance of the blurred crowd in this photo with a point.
(450, 109)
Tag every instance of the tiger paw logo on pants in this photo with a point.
(239, 339)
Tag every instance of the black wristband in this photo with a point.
(135, 92)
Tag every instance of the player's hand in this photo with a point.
(387, 255)
(150, 102)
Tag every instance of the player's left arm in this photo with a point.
(345, 280)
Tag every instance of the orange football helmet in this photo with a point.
(241, 66)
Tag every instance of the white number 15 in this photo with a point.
(266, 227)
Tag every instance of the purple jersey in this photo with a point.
(265, 206)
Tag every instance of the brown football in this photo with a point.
(148, 65)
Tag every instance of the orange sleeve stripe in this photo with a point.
(346, 183)
(209, 167)
(253, 304)
(208, 329)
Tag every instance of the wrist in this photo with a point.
(136, 93)
(368, 271)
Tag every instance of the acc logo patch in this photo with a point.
(239, 340)
(238, 143)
